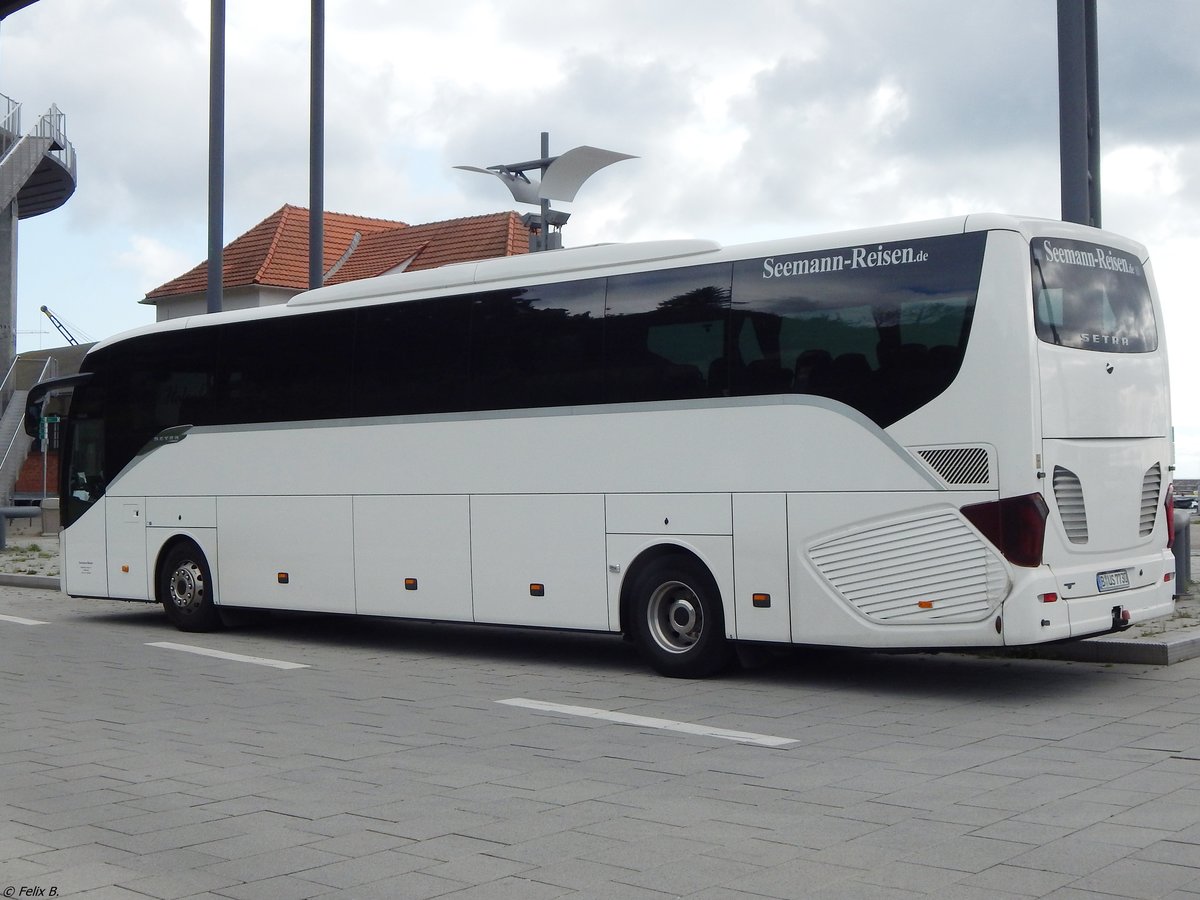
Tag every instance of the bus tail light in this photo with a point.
(1016, 525)
(1169, 506)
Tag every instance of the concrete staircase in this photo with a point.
(37, 169)
(15, 443)
(37, 174)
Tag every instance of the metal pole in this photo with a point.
(544, 237)
(1091, 44)
(216, 155)
(1078, 112)
(316, 151)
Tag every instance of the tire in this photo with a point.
(185, 589)
(678, 624)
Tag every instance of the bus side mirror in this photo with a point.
(44, 389)
(33, 417)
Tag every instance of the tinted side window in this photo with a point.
(665, 334)
(286, 369)
(537, 346)
(882, 327)
(142, 386)
(412, 358)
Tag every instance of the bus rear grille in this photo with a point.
(929, 569)
(1151, 490)
(958, 465)
(1068, 493)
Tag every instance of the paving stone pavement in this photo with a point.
(388, 768)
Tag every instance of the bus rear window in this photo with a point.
(1091, 297)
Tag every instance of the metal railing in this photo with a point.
(53, 125)
(10, 115)
(10, 123)
(7, 389)
(46, 368)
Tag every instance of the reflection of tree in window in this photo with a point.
(884, 340)
(664, 333)
(709, 297)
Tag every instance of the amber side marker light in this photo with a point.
(537, 590)
(410, 584)
(761, 601)
(282, 577)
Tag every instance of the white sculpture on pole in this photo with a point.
(561, 178)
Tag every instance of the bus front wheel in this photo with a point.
(678, 624)
(185, 589)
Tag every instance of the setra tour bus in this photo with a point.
(943, 434)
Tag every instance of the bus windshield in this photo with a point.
(84, 474)
(1091, 297)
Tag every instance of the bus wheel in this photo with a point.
(185, 589)
(678, 625)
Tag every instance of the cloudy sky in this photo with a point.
(783, 117)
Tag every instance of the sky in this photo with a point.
(755, 120)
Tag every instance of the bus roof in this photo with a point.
(617, 258)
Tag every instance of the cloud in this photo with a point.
(772, 118)
(153, 262)
(127, 76)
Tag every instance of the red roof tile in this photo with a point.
(275, 251)
(435, 244)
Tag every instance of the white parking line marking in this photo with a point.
(17, 620)
(743, 737)
(235, 657)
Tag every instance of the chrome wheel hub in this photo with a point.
(675, 617)
(187, 587)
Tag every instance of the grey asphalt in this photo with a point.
(389, 767)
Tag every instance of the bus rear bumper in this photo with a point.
(1103, 613)
(1036, 610)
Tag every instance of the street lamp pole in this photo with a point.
(216, 155)
(1079, 112)
(316, 151)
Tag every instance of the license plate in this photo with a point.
(1116, 580)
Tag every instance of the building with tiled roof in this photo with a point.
(269, 263)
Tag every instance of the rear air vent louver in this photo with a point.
(931, 568)
(1151, 491)
(1068, 493)
(958, 465)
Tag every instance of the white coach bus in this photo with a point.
(943, 434)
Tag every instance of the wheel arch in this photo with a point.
(206, 547)
(648, 557)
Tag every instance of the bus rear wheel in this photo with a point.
(185, 589)
(678, 625)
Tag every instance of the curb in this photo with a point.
(43, 582)
(1165, 650)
